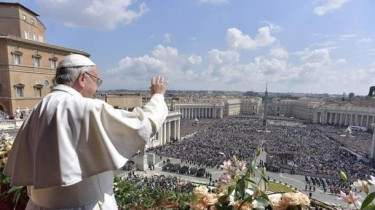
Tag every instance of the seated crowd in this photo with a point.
(291, 145)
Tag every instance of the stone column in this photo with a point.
(164, 133)
(178, 129)
(373, 143)
(160, 136)
(175, 129)
(168, 132)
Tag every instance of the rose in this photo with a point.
(290, 199)
(303, 199)
(199, 206)
(245, 206)
(200, 191)
(209, 199)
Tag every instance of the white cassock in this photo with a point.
(67, 149)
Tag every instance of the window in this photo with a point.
(16, 59)
(38, 87)
(53, 61)
(32, 21)
(26, 34)
(19, 92)
(35, 37)
(16, 54)
(36, 61)
(53, 64)
(19, 89)
(36, 58)
(23, 17)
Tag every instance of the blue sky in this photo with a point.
(318, 46)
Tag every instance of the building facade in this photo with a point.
(200, 110)
(251, 106)
(27, 63)
(319, 112)
(345, 115)
(301, 109)
(121, 100)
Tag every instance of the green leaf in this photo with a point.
(369, 207)
(241, 188)
(262, 201)
(13, 189)
(370, 197)
(230, 190)
(264, 196)
(251, 181)
(253, 166)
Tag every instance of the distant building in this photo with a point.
(121, 100)
(317, 111)
(351, 96)
(300, 109)
(218, 107)
(27, 63)
(251, 106)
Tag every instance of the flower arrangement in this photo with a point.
(353, 200)
(5, 147)
(289, 201)
(238, 190)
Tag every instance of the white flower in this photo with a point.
(362, 185)
(241, 165)
(372, 181)
(227, 165)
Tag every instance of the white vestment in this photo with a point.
(69, 146)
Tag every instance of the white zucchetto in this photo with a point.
(75, 60)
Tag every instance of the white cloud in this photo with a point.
(167, 37)
(348, 36)
(218, 57)
(271, 66)
(364, 40)
(340, 61)
(279, 52)
(326, 6)
(97, 14)
(163, 60)
(213, 1)
(316, 56)
(236, 39)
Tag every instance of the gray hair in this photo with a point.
(67, 75)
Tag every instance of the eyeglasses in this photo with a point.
(97, 80)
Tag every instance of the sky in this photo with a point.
(300, 46)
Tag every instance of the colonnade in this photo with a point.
(201, 112)
(345, 118)
(169, 130)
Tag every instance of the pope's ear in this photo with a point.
(81, 80)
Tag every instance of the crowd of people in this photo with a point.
(189, 126)
(328, 185)
(291, 145)
(215, 144)
(168, 183)
(358, 141)
(184, 169)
